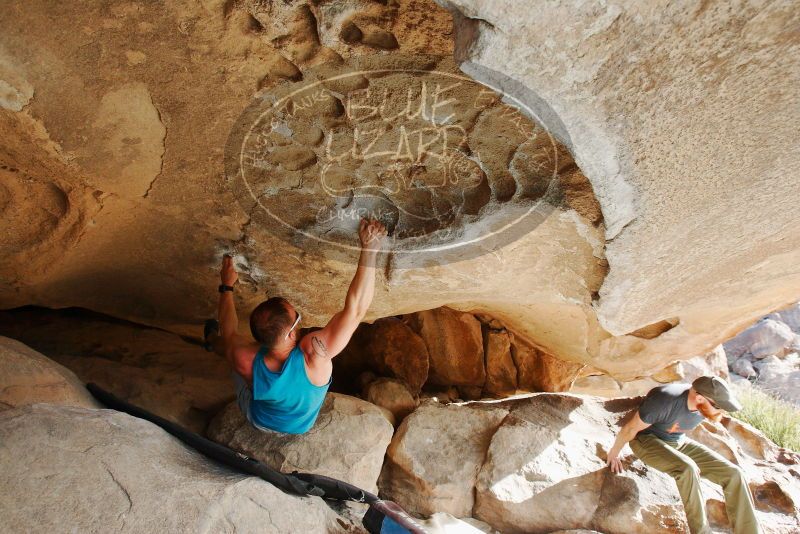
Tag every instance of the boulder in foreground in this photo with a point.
(28, 377)
(83, 470)
(537, 464)
(156, 370)
(347, 442)
(435, 457)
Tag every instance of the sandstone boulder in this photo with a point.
(81, 470)
(154, 369)
(769, 469)
(595, 85)
(593, 381)
(348, 441)
(768, 354)
(389, 348)
(398, 352)
(393, 395)
(455, 346)
(28, 377)
(540, 371)
(780, 377)
(545, 470)
(435, 457)
(501, 372)
(765, 338)
(744, 368)
(537, 464)
(789, 316)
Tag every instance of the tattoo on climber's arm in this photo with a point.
(319, 346)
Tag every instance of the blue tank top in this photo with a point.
(285, 401)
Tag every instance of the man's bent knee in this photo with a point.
(686, 470)
(736, 475)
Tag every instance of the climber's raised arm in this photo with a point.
(228, 320)
(626, 433)
(326, 343)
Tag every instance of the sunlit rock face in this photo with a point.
(128, 121)
(537, 464)
(30, 378)
(106, 471)
(323, 450)
(141, 142)
(591, 381)
(678, 115)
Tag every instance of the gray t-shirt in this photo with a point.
(666, 410)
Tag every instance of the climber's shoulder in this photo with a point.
(241, 354)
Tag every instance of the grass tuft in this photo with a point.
(779, 420)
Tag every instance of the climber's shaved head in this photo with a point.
(270, 320)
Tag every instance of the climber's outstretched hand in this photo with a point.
(371, 233)
(227, 273)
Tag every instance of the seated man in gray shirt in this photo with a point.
(656, 435)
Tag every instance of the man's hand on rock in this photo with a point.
(227, 273)
(371, 233)
(614, 463)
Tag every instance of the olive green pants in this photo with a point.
(686, 462)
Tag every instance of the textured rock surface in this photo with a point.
(443, 347)
(744, 368)
(392, 395)
(775, 491)
(536, 464)
(148, 367)
(592, 382)
(501, 372)
(398, 352)
(455, 346)
(627, 89)
(114, 119)
(767, 353)
(97, 470)
(27, 377)
(765, 338)
(789, 316)
(122, 191)
(435, 457)
(780, 377)
(347, 442)
(387, 347)
(544, 471)
(540, 371)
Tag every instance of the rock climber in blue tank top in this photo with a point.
(281, 379)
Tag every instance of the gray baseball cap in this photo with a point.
(717, 391)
